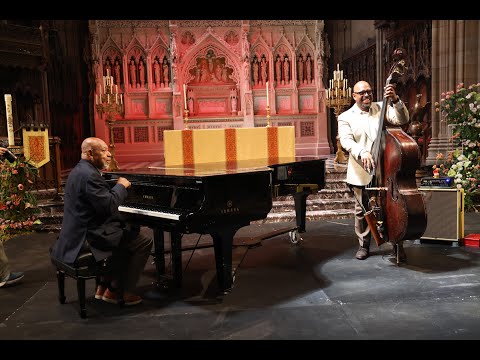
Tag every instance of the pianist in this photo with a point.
(91, 220)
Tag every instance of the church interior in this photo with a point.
(189, 92)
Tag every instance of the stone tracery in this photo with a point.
(225, 70)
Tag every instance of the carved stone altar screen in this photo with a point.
(225, 66)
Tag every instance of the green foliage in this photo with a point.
(17, 202)
(461, 110)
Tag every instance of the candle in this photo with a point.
(185, 95)
(116, 100)
(108, 72)
(267, 94)
(121, 99)
(8, 105)
(96, 99)
(116, 89)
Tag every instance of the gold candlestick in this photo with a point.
(185, 118)
(111, 104)
(338, 97)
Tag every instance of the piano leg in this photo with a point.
(176, 253)
(223, 244)
(159, 254)
(300, 199)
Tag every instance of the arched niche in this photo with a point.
(259, 65)
(137, 67)
(161, 68)
(283, 56)
(112, 64)
(212, 79)
(305, 69)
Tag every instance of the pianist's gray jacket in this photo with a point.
(90, 215)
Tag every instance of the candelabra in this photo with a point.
(338, 96)
(110, 103)
(185, 107)
(268, 105)
(185, 118)
(268, 115)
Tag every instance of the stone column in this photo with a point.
(455, 59)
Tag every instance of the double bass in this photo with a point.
(398, 206)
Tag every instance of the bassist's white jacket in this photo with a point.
(357, 131)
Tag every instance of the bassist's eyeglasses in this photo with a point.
(363, 92)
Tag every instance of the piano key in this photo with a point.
(158, 214)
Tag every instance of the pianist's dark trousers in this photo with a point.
(130, 257)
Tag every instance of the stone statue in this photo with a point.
(156, 73)
(190, 105)
(218, 72)
(173, 46)
(309, 69)
(133, 73)
(224, 74)
(300, 69)
(197, 73)
(116, 72)
(141, 73)
(246, 74)
(96, 70)
(165, 72)
(263, 68)
(278, 70)
(203, 74)
(255, 71)
(98, 76)
(286, 69)
(245, 46)
(108, 68)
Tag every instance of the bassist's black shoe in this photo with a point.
(362, 253)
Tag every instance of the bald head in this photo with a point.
(361, 85)
(362, 94)
(91, 143)
(95, 150)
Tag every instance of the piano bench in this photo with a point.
(84, 268)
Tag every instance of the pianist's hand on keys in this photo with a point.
(124, 182)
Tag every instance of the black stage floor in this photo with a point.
(312, 290)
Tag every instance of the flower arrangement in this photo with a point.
(17, 202)
(461, 110)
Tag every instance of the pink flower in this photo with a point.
(20, 187)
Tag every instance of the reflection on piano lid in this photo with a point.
(231, 167)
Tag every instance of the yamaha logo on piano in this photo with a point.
(230, 209)
(150, 197)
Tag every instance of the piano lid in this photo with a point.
(219, 168)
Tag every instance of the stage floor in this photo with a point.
(312, 290)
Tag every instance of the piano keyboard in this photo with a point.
(152, 213)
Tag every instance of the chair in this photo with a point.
(84, 268)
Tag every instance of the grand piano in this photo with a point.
(216, 199)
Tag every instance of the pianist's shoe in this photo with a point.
(100, 292)
(130, 299)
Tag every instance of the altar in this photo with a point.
(229, 146)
